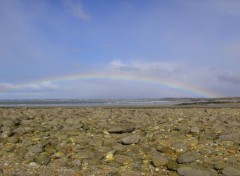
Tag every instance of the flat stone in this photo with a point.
(42, 159)
(13, 139)
(172, 165)
(19, 131)
(220, 165)
(6, 134)
(179, 147)
(159, 160)
(9, 123)
(186, 158)
(194, 130)
(230, 137)
(133, 139)
(231, 171)
(35, 149)
(122, 128)
(188, 171)
(123, 159)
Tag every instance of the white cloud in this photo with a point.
(29, 87)
(233, 79)
(145, 66)
(76, 9)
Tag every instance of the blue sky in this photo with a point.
(194, 43)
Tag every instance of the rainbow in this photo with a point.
(124, 77)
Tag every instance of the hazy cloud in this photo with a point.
(234, 79)
(145, 66)
(76, 9)
(30, 87)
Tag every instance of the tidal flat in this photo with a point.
(118, 141)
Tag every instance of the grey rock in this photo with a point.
(21, 151)
(231, 171)
(194, 130)
(123, 159)
(172, 165)
(13, 139)
(42, 159)
(186, 158)
(159, 160)
(9, 123)
(133, 139)
(230, 137)
(35, 149)
(76, 163)
(6, 134)
(19, 131)
(122, 128)
(188, 171)
(220, 165)
(179, 147)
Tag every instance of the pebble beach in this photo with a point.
(118, 141)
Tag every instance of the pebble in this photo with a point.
(133, 139)
(19, 131)
(35, 149)
(188, 171)
(159, 160)
(122, 128)
(9, 123)
(231, 171)
(42, 159)
(194, 130)
(186, 158)
(13, 139)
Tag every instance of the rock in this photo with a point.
(122, 128)
(133, 139)
(19, 131)
(33, 164)
(13, 139)
(165, 150)
(188, 171)
(172, 165)
(35, 149)
(123, 159)
(230, 137)
(186, 158)
(21, 151)
(76, 163)
(220, 165)
(6, 134)
(109, 156)
(179, 147)
(194, 130)
(9, 123)
(231, 171)
(26, 142)
(42, 159)
(159, 160)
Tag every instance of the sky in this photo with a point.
(119, 48)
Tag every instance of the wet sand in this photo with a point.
(179, 140)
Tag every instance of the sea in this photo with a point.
(87, 102)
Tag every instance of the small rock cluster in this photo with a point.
(120, 141)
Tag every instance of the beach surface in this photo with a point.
(120, 141)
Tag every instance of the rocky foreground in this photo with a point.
(120, 141)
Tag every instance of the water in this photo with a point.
(86, 102)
